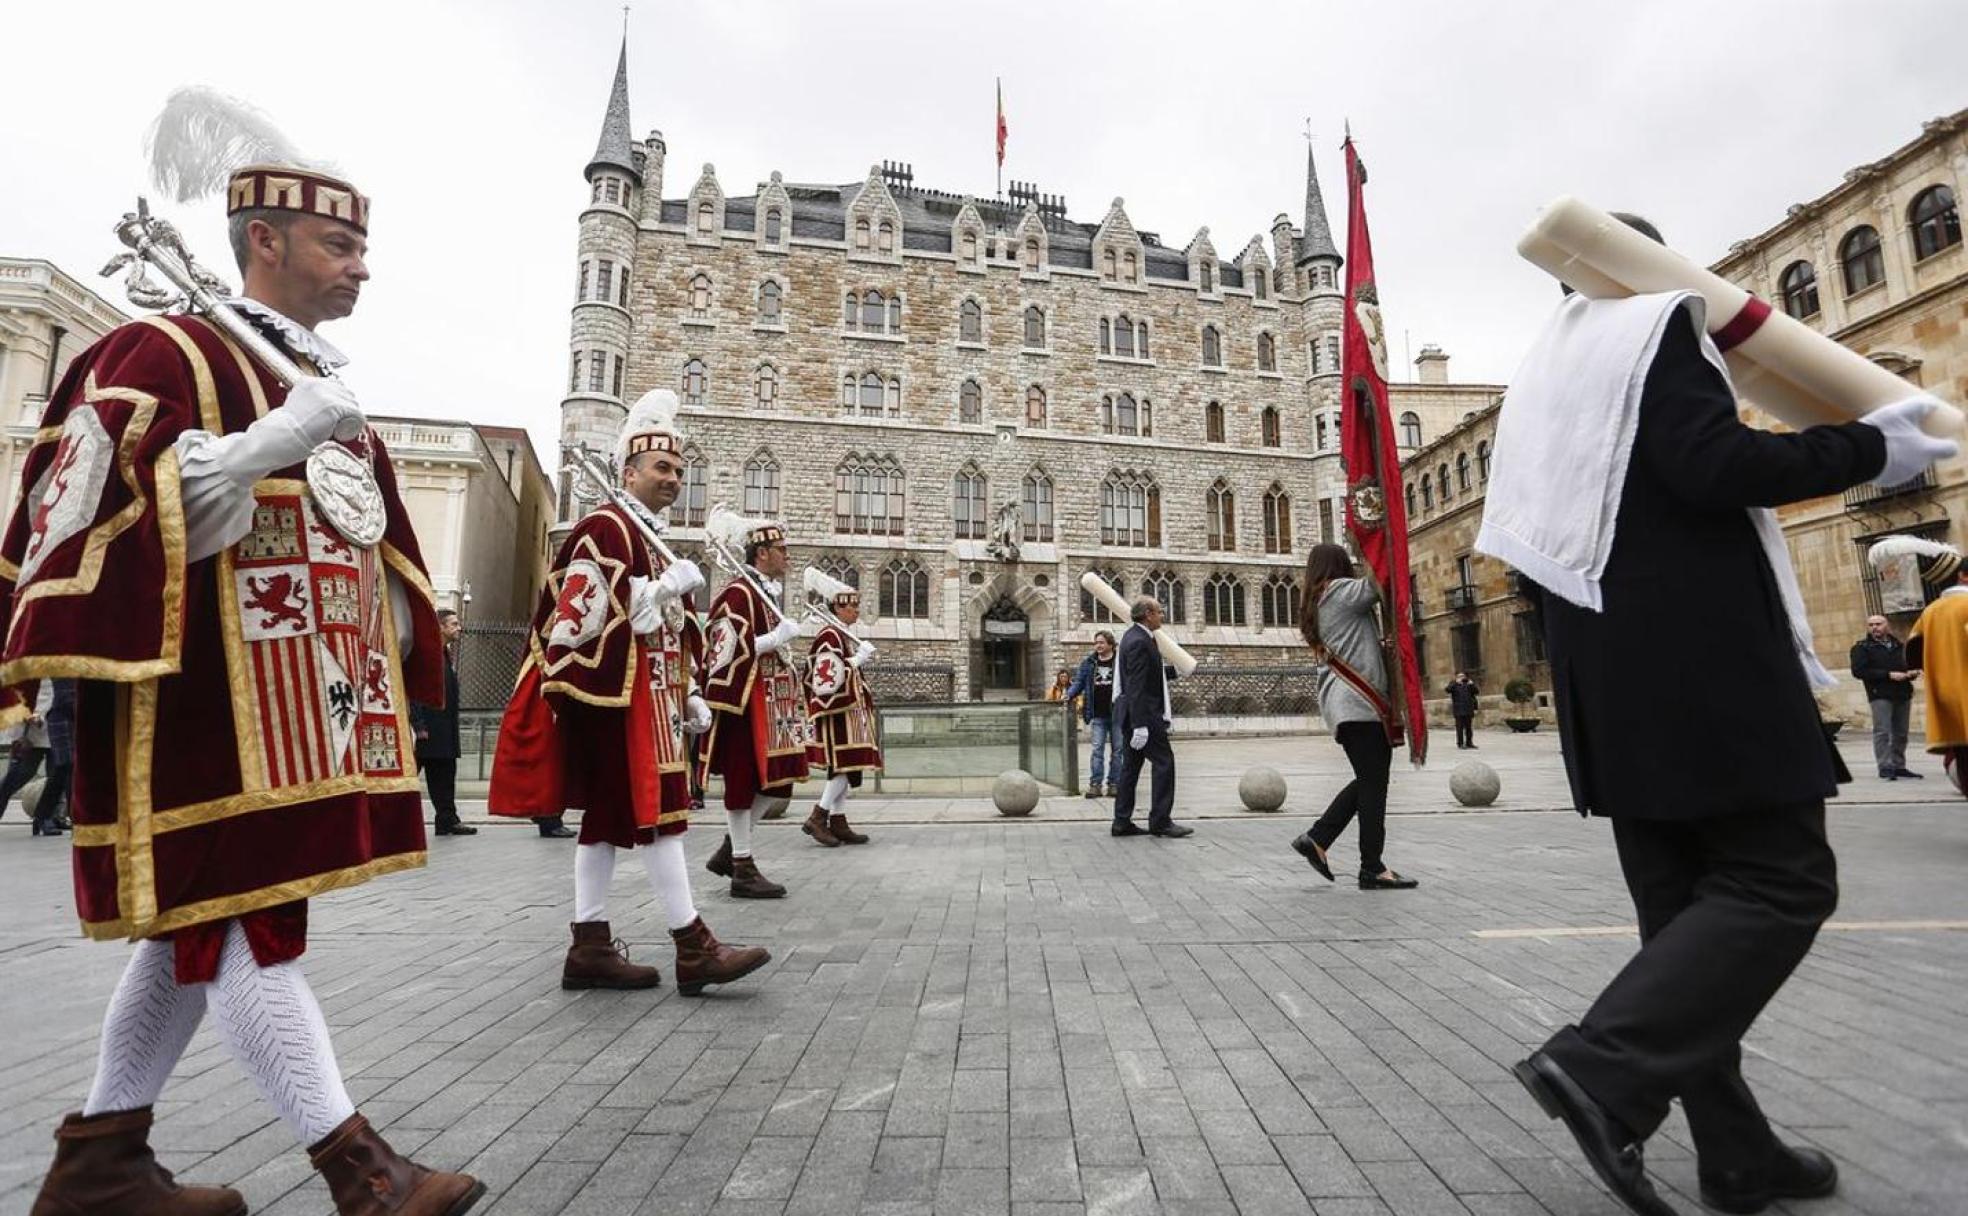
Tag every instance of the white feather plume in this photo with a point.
(203, 137)
(1900, 546)
(728, 528)
(655, 410)
(821, 585)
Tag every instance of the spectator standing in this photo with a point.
(1093, 684)
(1062, 680)
(31, 746)
(1462, 707)
(1879, 662)
(437, 736)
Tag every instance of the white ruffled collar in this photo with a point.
(299, 339)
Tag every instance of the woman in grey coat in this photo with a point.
(1337, 620)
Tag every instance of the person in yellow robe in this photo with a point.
(1938, 643)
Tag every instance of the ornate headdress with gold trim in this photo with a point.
(821, 585)
(1939, 561)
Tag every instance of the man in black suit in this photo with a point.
(1710, 762)
(437, 737)
(1142, 717)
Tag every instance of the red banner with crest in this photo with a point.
(1376, 514)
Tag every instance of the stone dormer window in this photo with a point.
(775, 226)
(967, 246)
(1034, 259)
(885, 237)
(863, 234)
(1207, 277)
(1108, 262)
(1260, 280)
(1130, 267)
(706, 219)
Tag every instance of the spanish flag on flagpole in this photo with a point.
(1001, 135)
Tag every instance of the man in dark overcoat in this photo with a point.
(1142, 717)
(1710, 761)
(437, 736)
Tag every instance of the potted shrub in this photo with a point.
(1522, 696)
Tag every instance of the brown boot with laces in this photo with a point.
(367, 1178)
(837, 824)
(720, 861)
(703, 959)
(748, 883)
(597, 959)
(103, 1163)
(816, 827)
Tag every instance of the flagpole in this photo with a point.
(998, 139)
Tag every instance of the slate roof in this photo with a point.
(616, 148)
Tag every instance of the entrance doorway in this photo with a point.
(1005, 629)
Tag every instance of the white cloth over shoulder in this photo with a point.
(1564, 441)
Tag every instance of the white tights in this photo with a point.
(834, 794)
(663, 862)
(267, 1017)
(739, 824)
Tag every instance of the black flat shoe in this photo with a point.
(558, 831)
(456, 829)
(1614, 1153)
(1795, 1173)
(1310, 852)
(1390, 882)
(1173, 831)
(1910, 775)
(1129, 828)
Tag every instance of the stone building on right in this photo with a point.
(1877, 264)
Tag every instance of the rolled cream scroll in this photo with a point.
(1172, 652)
(1779, 364)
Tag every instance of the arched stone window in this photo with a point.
(1442, 483)
(1132, 266)
(1462, 472)
(835, 566)
(773, 227)
(1410, 492)
(1208, 279)
(1260, 282)
(1095, 612)
(1122, 414)
(696, 382)
(765, 387)
(1141, 339)
(1106, 336)
(1124, 337)
(1168, 591)
(968, 504)
(1799, 286)
(868, 496)
(1107, 264)
(1269, 430)
(1130, 510)
(861, 231)
(1035, 407)
(885, 237)
(970, 322)
(1034, 327)
(970, 403)
(1278, 601)
(967, 247)
(1483, 460)
(1220, 511)
(871, 395)
(1035, 507)
(1935, 222)
(706, 218)
(1862, 259)
(1410, 430)
(688, 509)
(1213, 423)
(1277, 520)
(1031, 253)
(1223, 600)
(1267, 353)
(1212, 347)
(904, 589)
(700, 295)
(1427, 493)
(762, 485)
(768, 308)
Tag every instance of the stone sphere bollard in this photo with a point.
(1475, 783)
(30, 794)
(1262, 789)
(775, 809)
(1015, 792)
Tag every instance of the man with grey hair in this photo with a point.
(1142, 716)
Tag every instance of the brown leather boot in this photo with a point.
(103, 1164)
(837, 824)
(748, 883)
(598, 960)
(816, 827)
(367, 1178)
(720, 861)
(703, 959)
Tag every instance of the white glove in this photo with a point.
(862, 653)
(697, 715)
(679, 580)
(645, 605)
(1139, 739)
(1909, 450)
(782, 633)
(316, 410)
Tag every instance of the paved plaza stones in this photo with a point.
(976, 1015)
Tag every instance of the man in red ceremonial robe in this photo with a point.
(244, 668)
(758, 722)
(841, 711)
(598, 720)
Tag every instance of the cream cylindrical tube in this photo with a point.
(1777, 363)
(1172, 652)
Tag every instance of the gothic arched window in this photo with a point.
(1267, 353)
(762, 485)
(696, 382)
(770, 294)
(904, 589)
(970, 322)
(868, 496)
(1035, 407)
(1223, 600)
(1212, 347)
(968, 499)
(1268, 428)
(1213, 423)
(1220, 512)
(1096, 612)
(1035, 507)
(1279, 601)
(970, 403)
(1277, 520)
(1130, 510)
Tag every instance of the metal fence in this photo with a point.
(1233, 691)
(911, 683)
(488, 655)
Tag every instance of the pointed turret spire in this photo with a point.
(1317, 241)
(616, 149)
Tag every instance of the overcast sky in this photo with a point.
(469, 124)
